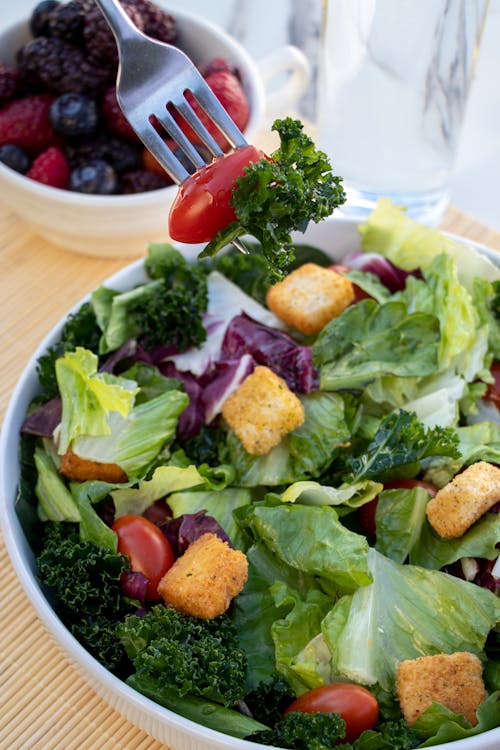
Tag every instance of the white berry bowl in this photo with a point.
(115, 226)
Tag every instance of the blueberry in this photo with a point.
(39, 21)
(95, 177)
(74, 115)
(15, 158)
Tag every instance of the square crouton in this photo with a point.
(205, 579)
(461, 502)
(454, 680)
(309, 297)
(262, 411)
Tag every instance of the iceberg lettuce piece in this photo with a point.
(410, 245)
(88, 397)
(313, 493)
(406, 612)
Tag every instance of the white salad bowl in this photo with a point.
(120, 226)
(338, 237)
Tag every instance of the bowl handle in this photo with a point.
(286, 61)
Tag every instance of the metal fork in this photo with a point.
(153, 78)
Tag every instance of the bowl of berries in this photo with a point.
(70, 164)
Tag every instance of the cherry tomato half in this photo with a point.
(202, 207)
(148, 550)
(493, 389)
(357, 706)
(359, 293)
(366, 513)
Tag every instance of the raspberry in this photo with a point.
(142, 181)
(50, 168)
(40, 17)
(122, 156)
(66, 21)
(74, 115)
(15, 158)
(98, 37)
(25, 123)
(95, 177)
(58, 66)
(157, 22)
(10, 84)
(229, 92)
(114, 117)
(217, 65)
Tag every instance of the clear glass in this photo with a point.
(394, 78)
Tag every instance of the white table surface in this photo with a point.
(262, 25)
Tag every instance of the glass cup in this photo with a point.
(394, 77)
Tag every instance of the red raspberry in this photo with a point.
(50, 168)
(25, 123)
(115, 119)
(216, 65)
(229, 92)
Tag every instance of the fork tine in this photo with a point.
(206, 99)
(188, 113)
(155, 143)
(176, 133)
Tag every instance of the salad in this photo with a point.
(243, 493)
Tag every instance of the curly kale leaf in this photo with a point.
(279, 195)
(304, 731)
(85, 580)
(268, 701)
(80, 329)
(400, 443)
(194, 657)
(173, 315)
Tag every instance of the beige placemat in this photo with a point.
(44, 703)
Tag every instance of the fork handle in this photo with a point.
(121, 25)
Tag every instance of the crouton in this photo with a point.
(461, 502)
(309, 297)
(262, 410)
(455, 680)
(205, 579)
(82, 469)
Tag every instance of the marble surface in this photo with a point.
(261, 26)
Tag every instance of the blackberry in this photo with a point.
(15, 158)
(66, 21)
(95, 178)
(121, 155)
(57, 66)
(98, 38)
(74, 115)
(9, 83)
(40, 17)
(142, 181)
(157, 22)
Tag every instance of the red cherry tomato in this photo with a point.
(357, 706)
(366, 513)
(148, 550)
(202, 206)
(359, 293)
(493, 389)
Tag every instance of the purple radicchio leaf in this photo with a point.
(134, 585)
(185, 529)
(43, 420)
(192, 418)
(272, 348)
(391, 276)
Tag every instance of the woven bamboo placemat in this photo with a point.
(44, 702)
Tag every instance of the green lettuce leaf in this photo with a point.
(399, 518)
(55, 501)
(348, 495)
(406, 612)
(440, 725)
(88, 397)
(369, 341)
